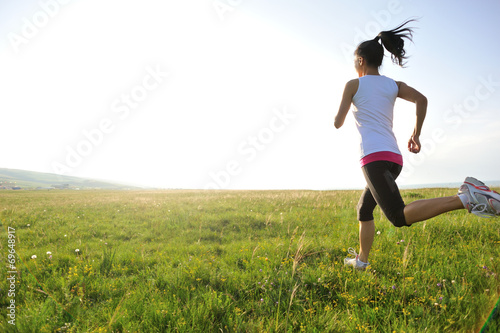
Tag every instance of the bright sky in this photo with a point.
(238, 94)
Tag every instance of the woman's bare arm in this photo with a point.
(412, 95)
(349, 91)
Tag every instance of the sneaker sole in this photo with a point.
(495, 204)
(492, 204)
(481, 191)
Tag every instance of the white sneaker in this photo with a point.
(355, 262)
(482, 201)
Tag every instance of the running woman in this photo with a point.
(373, 96)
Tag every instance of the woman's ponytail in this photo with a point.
(393, 41)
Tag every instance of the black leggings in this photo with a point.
(381, 189)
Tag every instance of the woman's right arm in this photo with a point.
(350, 90)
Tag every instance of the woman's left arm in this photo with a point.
(412, 95)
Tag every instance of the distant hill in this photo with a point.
(13, 178)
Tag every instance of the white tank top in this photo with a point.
(373, 112)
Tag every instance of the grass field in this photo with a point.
(238, 261)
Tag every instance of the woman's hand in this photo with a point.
(414, 144)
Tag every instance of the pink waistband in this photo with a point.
(382, 156)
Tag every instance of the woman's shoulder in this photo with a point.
(354, 83)
(351, 87)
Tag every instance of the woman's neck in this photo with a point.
(369, 71)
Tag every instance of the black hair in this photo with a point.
(393, 41)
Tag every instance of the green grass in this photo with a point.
(240, 261)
